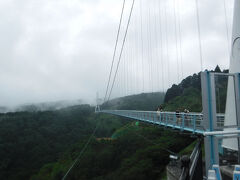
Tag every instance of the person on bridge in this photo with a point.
(161, 108)
(158, 113)
(178, 117)
(186, 119)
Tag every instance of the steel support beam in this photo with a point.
(209, 118)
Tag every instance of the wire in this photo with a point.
(180, 37)
(136, 53)
(227, 31)
(81, 153)
(176, 39)
(157, 47)
(199, 34)
(127, 60)
(150, 50)
(142, 45)
(161, 43)
(166, 30)
(150, 141)
(124, 74)
(115, 48)
(124, 39)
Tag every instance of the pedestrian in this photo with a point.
(178, 116)
(186, 119)
(158, 113)
(161, 108)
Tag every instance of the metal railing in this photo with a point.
(192, 122)
(192, 166)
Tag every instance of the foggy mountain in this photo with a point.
(44, 106)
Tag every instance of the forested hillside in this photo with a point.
(187, 94)
(28, 140)
(43, 145)
(141, 152)
(144, 101)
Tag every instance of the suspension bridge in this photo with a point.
(152, 37)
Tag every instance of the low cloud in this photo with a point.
(60, 49)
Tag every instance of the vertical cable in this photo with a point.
(199, 34)
(130, 63)
(157, 48)
(142, 45)
(226, 24)
(127, 65)
(176, 39)
(136, 52)
(128, 50)
(166, 30)
(150, 49)
(161, 43)
(124, 72)
(180, 37)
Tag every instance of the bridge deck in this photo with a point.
(192, 122)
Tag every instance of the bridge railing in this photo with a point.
(186, 121)
(192, 166)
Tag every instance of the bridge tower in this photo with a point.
(232, 114)
(229, 133)
(98, 102)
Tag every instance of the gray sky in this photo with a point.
(60, 49)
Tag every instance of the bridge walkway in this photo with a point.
(191, 122)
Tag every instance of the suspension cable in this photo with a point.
(115, 48)
(124, 39)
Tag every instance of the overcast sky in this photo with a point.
(62, 49)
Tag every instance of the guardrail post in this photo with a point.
(211, 175)
(183, 119)
(160, 117)
(166, 122)
(236, 175)
(217, 171)
(237, 168)
(175, 120)
(194, 123)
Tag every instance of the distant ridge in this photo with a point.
(44, 106)
(143, 101)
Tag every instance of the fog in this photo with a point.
(55, 50)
